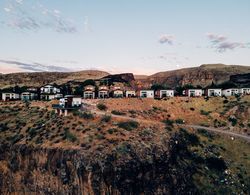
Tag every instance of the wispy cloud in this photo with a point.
(25, 15)
(33, 67)
(222, 44)
(166, 39)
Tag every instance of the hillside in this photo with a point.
(88, 153)
(203, 75)
(41, 78)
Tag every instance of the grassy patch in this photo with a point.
(128, 125)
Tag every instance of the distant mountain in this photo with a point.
(40, 78)
(203, 75)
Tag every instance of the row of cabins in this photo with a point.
(50, 92)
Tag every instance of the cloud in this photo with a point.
(24, 15)
(222, 44)
(34, 67)
(168, 39)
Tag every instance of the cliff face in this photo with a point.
(204, 75)
(151, 170)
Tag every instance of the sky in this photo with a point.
(139, 36)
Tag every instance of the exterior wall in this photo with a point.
(194, 92)
(26, 96)
(77, 101)
(244, 91)
(130, 94)
(166, 93)
(50, 89)
(230, 92)
(103, 94)
(48, 97)
(118, 93)
(147, 94)
(213, 92)
(10, 96)
(89, 95)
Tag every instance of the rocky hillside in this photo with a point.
(203, 75)
(41, 78)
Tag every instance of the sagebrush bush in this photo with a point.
(106, 118)
(101, 106)
(128, 125)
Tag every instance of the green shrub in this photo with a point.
(168, 122)
(100, 136)
(128, 125)
(112, 130)
(233, 121)
(69, 136)
(86, 115)
(179, 121)
(203, 112)
(115, 112)
(225, 101)
(106, 118)
(145, 132)
(101, 106)
(132, 111)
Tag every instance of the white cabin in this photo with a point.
(193, 92)
(244, 91)
(10, 96)
(166, 93)
(213, 92)
(147, 93)
(230, 92)
(130, 93)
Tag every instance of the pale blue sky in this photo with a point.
(140, 36)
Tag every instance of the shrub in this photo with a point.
(101, 106)
(124, 148)
(192, 109)
(145, 132)
(179, 121)
(215, 163)
(203, 112)
(100, 136)
(128, 125)
(106, 118)
(132, 111)
(205, 133)
(86, 115)
(115, 112)
(111, 131)
(225, 101)
(168, 122)
(233, 121)
(69, 136)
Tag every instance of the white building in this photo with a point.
(230, 92)
(10, 96)
(130, 93)
(50, 92)
(103, 92)
(28, 96)
(193, 92)
(89, 92)
(147, 93)
(213, 92)
(244, 91)
(166, 93)
(70, 101)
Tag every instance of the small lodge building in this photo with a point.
(213, 92)
(244, 91)
(50, 92)
(89, 92)
(130, 93)
(68, 103)
(163, 93)
(9, 96)
(117, 92)
(230, 92)
(28, 96)
(103, 92)
(146, 93)
(193, 92)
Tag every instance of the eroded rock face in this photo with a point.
(148, 170)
